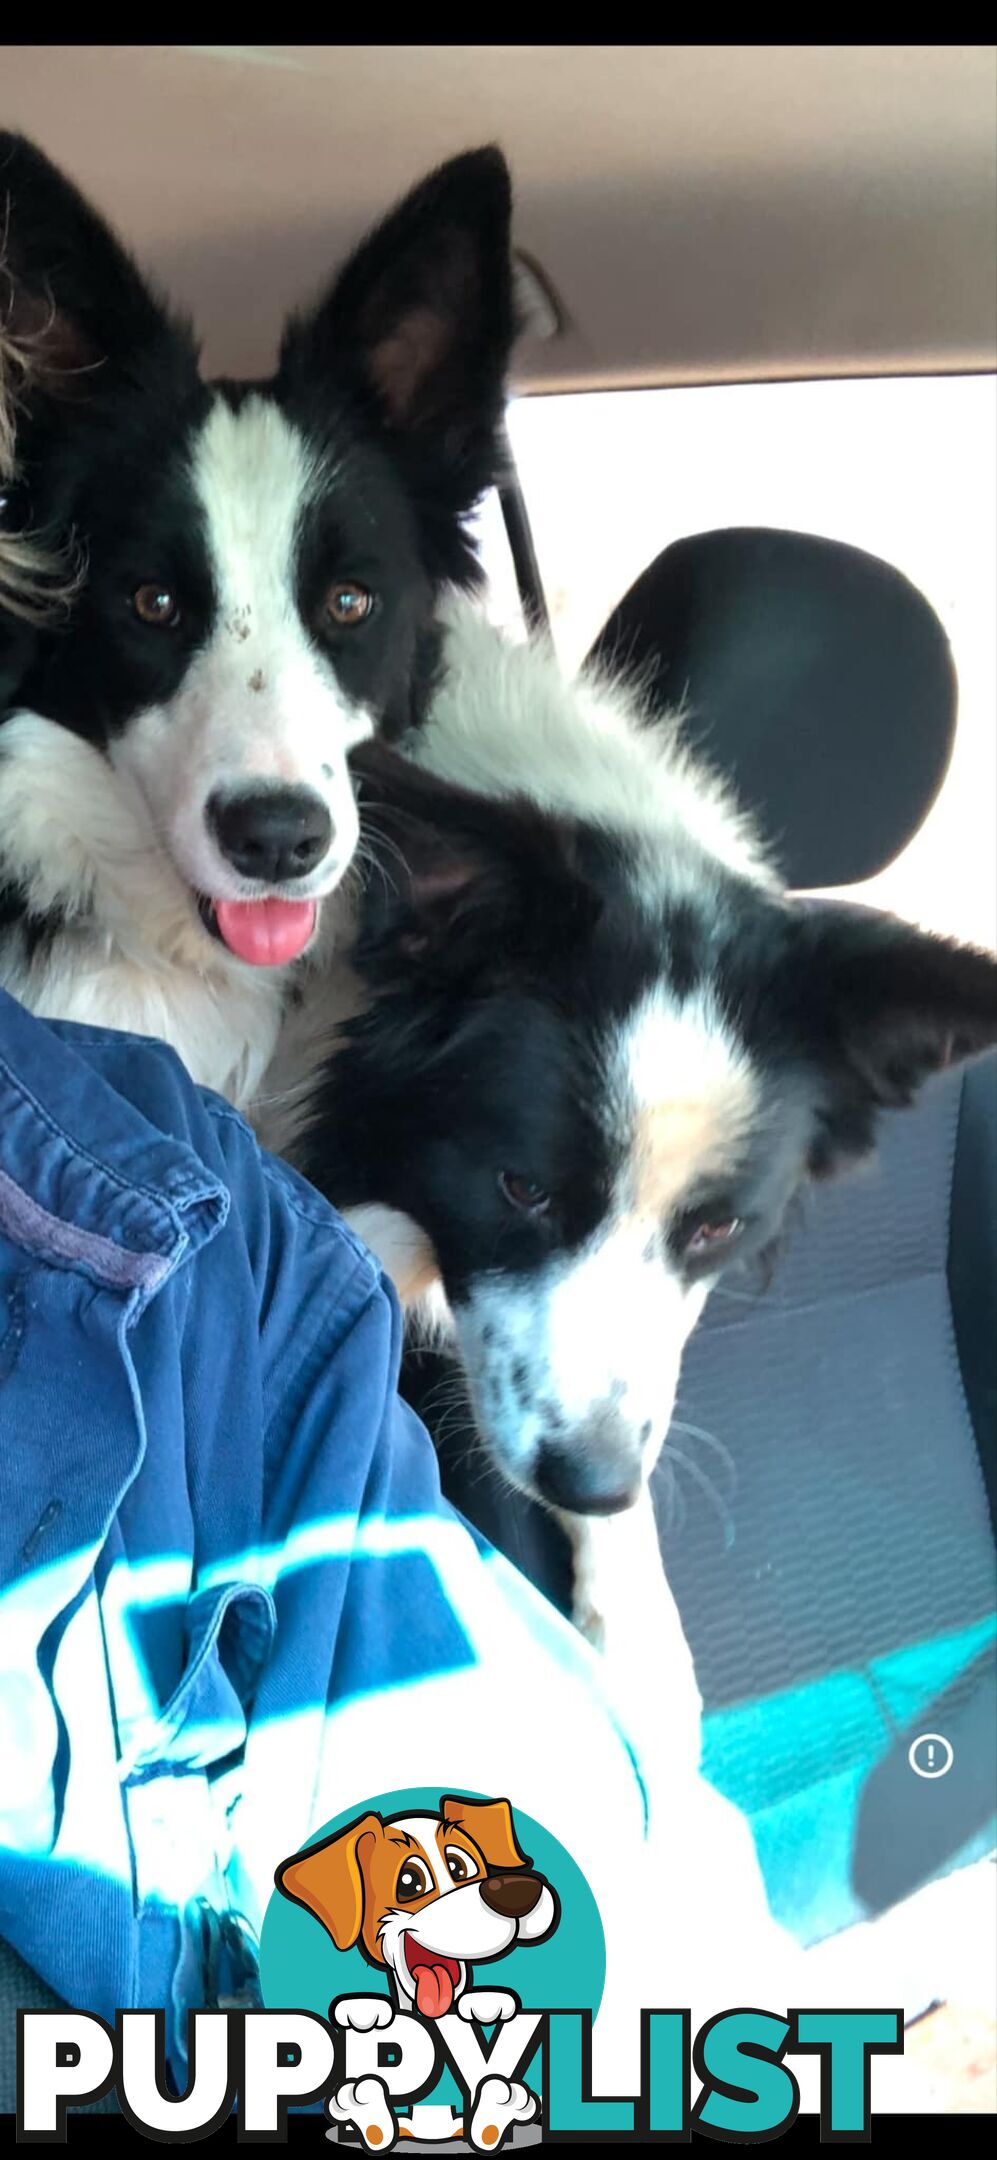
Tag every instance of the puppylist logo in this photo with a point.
(431, 1966)
(427, 1895)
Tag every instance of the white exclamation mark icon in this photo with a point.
(931, 1755)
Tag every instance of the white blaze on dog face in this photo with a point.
(574, 1367)
(259, 706)
(687, 1096)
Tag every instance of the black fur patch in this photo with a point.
(37, 933)
(395, 380)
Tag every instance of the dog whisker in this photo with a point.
(386, 846)
(369, 862)
(676, 1519)
(447, 1394)
(698, 1432)
(709, 1490)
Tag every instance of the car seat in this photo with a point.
(827, 1534)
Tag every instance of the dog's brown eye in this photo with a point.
(462, 1867)
(413, 1882)
(347, 604)
(157, 606)
(709, 1237)
(523, 1193)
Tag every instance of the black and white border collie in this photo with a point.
(261, 564)
(586, 1052)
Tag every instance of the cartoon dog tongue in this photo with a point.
(433, 1991)
(266, 933)
(434, 1987)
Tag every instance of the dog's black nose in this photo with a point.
(512, 1895)
(271, 834)
(591, 1474)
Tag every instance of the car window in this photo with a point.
(904, 467)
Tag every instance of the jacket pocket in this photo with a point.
(230, 1636)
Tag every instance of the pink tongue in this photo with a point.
(267, 933)
(433, 1990)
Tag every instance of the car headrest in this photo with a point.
(814, 675)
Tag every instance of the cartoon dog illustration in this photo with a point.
(426, 1897)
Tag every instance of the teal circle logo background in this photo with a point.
(301, 1968)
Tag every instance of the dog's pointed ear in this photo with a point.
(328, 1881)
(442, 890)
(879, 1007)
(489, 1823)
(457, 880)
(422, 319)
(70, 294)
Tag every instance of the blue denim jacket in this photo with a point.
(232, 1599)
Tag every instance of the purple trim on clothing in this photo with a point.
(32, 1226)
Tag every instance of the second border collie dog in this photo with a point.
(260, 565)
(587, 1051)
